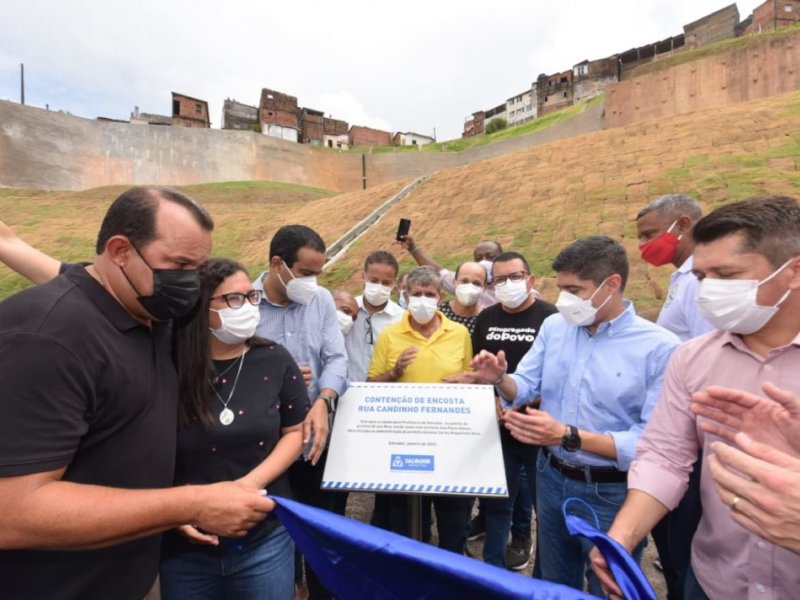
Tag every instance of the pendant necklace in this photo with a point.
(218, 376)
(226, 416)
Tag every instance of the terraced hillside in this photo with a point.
(535, 200)
(538, 200)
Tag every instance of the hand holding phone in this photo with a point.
(402, 229)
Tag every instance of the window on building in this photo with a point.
(176, 107)
(413, 142)
(563, 80)
(545, 98)
(198, 108)
(788, 8)
(564, 94)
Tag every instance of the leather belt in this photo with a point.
(587, 474)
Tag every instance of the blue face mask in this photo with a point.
(402, 301)
(628, 574)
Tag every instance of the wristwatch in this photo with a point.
(571, 440)
(329, 402)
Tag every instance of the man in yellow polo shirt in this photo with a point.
(424, 347)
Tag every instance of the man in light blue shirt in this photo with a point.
(301, 316)
(376, 310)
(597, 368)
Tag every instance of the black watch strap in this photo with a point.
(571, 442)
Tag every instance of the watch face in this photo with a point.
(572, 441)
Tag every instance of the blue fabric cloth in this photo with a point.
(311, 334)
(356, 561)
(607, 383)
(631, 580)
(248, 570)
(564, 558)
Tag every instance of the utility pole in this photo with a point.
(22, 82)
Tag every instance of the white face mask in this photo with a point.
(345, 322)
(300, 289)
(487, 265)
(578, 311)
(512, 293)
(467, 294)
(377, 294)
(237, 324)
(422, 308)
(730, 304)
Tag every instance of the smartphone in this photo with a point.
(402, 229)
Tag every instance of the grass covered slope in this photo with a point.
(538, 200)
(246, 214)
(534, 201)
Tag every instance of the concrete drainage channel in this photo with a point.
(337, 249)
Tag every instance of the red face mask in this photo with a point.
(661, 250)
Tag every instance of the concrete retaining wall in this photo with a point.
(761, 70)
(47, 150)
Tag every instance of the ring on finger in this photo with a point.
(734, 502)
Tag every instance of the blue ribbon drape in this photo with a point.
(356, 561)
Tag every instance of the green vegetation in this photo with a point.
(515, 131)
(495, 125)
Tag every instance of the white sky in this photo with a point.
(412, 65)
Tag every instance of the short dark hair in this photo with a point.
(770, 225)
(511, 255)
(288, 240)
(594, 258)
(133, 214)
(381, 257)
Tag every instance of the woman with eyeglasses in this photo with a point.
(242, 404)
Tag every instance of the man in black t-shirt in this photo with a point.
(88, 398)
(511, 326)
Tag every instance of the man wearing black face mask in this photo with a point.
(88, 396)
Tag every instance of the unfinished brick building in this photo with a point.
(236, 115)
(591, 78)
(773, 14)
(367, 136)
(189, 112)
(278, 114)
(311, 126)
(719, 25)
(553, 92)
(334, 133)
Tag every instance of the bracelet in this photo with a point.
(414, 249)
(499, 381)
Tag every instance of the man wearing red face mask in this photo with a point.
(664, 228)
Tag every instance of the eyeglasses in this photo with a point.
(368, 335)
(501, 279)
(236, 299)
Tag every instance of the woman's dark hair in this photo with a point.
(193, 352)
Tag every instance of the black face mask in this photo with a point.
(175, 291)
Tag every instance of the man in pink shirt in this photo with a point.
(747, 256)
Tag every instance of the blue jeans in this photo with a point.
(498, 511)
(564, 558)
(262, 569)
